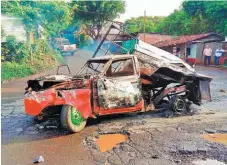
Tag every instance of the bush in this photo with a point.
(12, 70)
(13, 50)
(17, 62)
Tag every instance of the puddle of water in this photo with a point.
(218, 137)
(208, 162)
(108, 141)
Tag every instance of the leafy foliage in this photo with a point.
(12, 70)
(137, 24)
(84, 39)
(94, 14)
(212, 13)
(192, 17)
(18, 58)
(19, 63)
(13, 50)
(180, 23)
(54, 16)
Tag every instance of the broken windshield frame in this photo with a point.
(93, 68)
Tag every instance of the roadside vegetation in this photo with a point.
(19, 60)
(35, 55)
(192, 17)
(22, 58)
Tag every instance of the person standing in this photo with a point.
(218, 53)
(207, 52)
(175, 50)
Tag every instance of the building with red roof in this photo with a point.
(191, 47)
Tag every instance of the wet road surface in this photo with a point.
(152, 139)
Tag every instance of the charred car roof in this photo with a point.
(108, 57)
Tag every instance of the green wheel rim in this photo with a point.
(76, 117)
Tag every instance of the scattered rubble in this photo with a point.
(222, 90)
(39, 159)
(210, 130)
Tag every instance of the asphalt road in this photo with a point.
(152, 138)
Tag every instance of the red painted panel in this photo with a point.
(192, 60)
(222, 60)
(139, 106)
(79, 98)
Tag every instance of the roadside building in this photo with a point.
(191, 46)
(153, 38)
(223, 60)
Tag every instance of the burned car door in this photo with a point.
(120, 87)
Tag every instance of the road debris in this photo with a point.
(210, 130)
(222, 90)
(51, 127)
(39, 159)
(154, 156)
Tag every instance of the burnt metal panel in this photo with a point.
(204, 86)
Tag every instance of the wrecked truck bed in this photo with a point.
(141, 78)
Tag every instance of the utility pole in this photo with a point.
(144, 26)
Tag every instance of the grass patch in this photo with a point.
(13, 70)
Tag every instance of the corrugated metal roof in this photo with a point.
(183, 39)
(153, 38)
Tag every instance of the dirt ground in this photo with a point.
(152, 139)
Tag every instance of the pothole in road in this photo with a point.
(218, 137)
(107, 141)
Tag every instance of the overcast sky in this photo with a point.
(135, 8)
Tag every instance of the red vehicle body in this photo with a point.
(114, 84)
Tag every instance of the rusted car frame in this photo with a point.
(142, 79)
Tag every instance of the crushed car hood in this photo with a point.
(163, 59)
(160, 54)
(54, 78)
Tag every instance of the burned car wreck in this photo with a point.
(138, 77)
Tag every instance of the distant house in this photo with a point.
(192, 46)
(153, 38)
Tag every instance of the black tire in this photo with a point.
(178, 104)
(68, 117)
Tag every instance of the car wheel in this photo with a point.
(178, 104)
(71, 119)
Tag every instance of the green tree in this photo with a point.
(137, 24)
(213, 14)
(13, 50)
(54, 16)
(94, 14)
(177, 23)
(196, 17)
